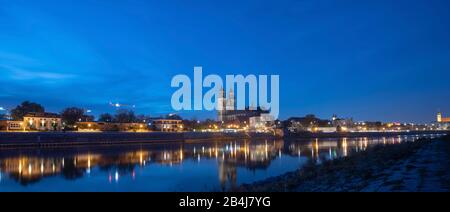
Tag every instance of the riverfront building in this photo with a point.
(9, 125)
(342, 124)
(168, 125)
(42, 122)
(228, 113)
(92, 126)
(261, 123)
(33, 122)
(441, 119)
(443, 123)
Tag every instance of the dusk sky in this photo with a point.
(371, 60)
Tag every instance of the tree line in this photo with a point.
(72, 115)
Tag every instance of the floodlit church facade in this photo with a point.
(227, 111)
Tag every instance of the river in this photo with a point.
(193, 166)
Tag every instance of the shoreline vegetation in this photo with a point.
(51, 139)
(418, 166)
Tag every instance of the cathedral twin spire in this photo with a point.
(225, 103)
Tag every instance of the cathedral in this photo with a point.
(227, 111)
(441, 119)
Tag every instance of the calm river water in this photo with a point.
(198, 166)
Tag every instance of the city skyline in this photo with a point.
(384, 60)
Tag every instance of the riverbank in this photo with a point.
(411, 166)
(53, 139)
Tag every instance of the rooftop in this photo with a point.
(45, 115)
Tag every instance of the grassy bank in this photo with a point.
(410, 166)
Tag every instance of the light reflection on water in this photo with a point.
(200, 166)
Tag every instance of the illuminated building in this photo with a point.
(33, 122)
(11, 125)
(308, 123)
(342, 124)
(168, 125)
(322, 129)
(261, 123)
(227, 112)
(42, 121)
(109, 126)
(443, 123)
(441, 119)
(89, 126)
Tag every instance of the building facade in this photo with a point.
(443, 123)
(441, 119)
(227, 111)
(42, 122)
(111, 126)
(8, 125)
(167, 125)
(322, 129)
(261, 123)
(343, 124)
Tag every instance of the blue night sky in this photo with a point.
(370, 60)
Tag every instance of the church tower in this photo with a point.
(439, 117)
(334, 117)
(231, 101)
(221, 105)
